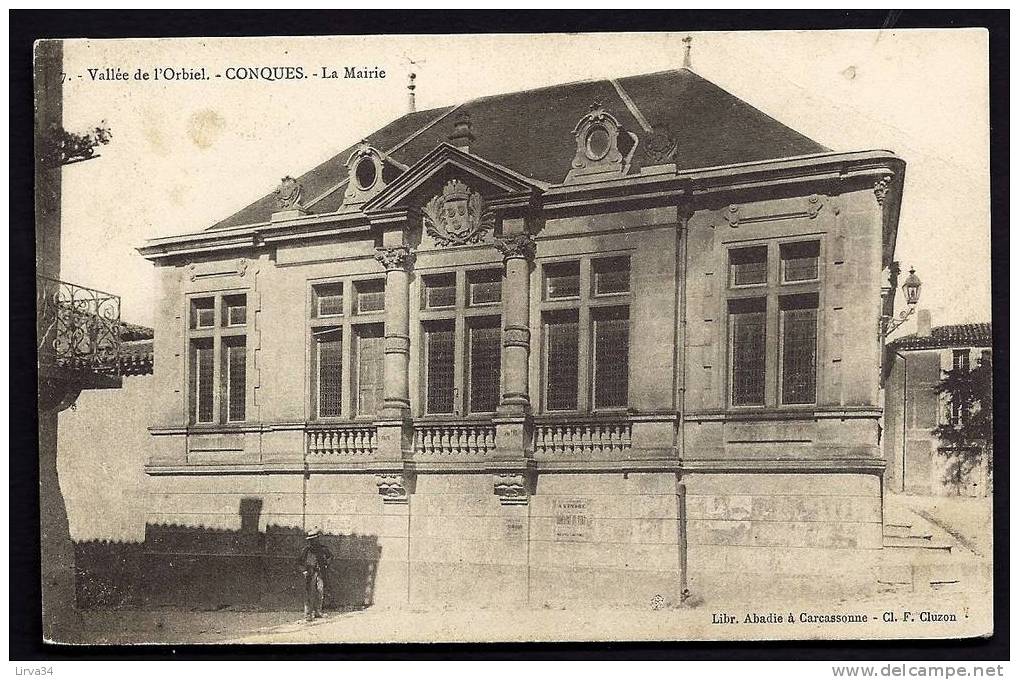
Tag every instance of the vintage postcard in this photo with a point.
(606, 336)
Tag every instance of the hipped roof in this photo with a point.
(531, 133)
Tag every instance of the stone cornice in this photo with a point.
(681, 466)
(819, 173)
(801, 465)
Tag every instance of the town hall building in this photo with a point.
(603, 343)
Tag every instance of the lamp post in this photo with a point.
(911, 289)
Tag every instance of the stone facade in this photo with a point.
(523, 504)
(917, 461)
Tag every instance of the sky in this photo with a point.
(185, 154)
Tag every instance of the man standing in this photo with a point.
(313, 562)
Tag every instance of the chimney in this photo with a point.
(462, 135)
(411, 107)
(923, 323)
(687, 61)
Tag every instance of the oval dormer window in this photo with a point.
(597, 143)
(365, 173)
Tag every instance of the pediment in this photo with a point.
(431, 176)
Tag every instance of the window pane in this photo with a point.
(799, 261)
(371, 296)
(747, 332)
(562, 280)
(329, 299)
(440, 291)
(960, 359)
(369, 371)
(612, 276)
(235, 379)
(439, 369)
(799, 348)
(799, 355)
(485, 359)
(611, 360)
(203, 314)
(748, 266)
(485, 287)
(201, 382)
(235, 310)
(561, 366)
(330, 374)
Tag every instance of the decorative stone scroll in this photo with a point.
(735, 216)
(458, 216)
(881, 189)
(394, 257)
(661, 145)
(516, 246)
(392, 488)
(602, 144)
(213, 270)
(511, 488)
(365, 168)
(288, 194)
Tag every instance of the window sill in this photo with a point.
(440, 419)
(220, 428)
(585, 417)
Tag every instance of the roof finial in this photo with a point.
(687, 62)
(411, 106)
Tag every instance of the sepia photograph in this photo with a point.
(508, 338)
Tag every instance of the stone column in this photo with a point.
(517, 251)
(512, 419)
(396, 401)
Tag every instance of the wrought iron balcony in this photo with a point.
(78, 328)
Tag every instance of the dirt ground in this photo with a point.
(971, 612)
(968, 520)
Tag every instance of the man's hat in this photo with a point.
(314, 533)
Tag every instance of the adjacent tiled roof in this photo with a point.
(956, 335)
(531, 132)
(135, 356)
(132, 331)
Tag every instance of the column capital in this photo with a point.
(516, 246)
(394, 257)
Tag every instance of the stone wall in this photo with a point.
(584, 539)
(769, 533)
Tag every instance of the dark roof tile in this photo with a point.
(531, 132)
(956, 335)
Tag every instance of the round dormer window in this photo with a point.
(365, 173)
(597, 143)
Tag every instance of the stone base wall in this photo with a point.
(581, 540)
(782, 533)
(626, 555)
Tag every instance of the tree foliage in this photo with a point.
(969, 430)
(60, 147)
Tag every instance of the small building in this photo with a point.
(560, 346)
(917, 461)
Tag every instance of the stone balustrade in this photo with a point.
(582, 439)
(342, 440)
(453, 440)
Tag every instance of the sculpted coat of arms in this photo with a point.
(457, 216)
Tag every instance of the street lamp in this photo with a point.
(911, 289)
